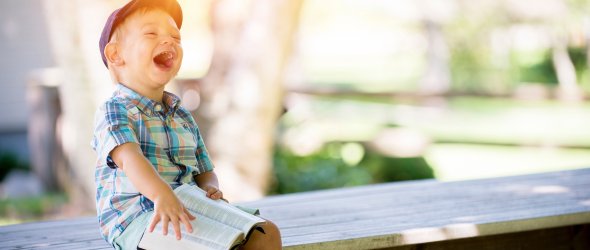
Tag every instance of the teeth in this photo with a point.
(166, 54)
(164, 58)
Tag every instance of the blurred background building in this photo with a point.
(302, 95)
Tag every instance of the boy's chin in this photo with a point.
(162, 80)
(164, 77)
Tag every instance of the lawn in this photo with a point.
(463, 161)
(470, 138)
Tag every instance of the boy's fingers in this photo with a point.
(176, 225)
(154, 222)
(189, 215)
(165, 225)
(214, 193)
(184, 219)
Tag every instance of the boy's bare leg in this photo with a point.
(269, 240)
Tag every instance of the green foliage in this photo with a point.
(31, 207)
(388, 169)
(535, 67)
(578, 57)
(9, 162)
(318, 171)
(472, 65)
(324, 169)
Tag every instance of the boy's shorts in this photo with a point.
(130, 238)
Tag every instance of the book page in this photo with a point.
(207, 234)
(218, 225)
(196, 201)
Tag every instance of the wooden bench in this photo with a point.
(539, 211)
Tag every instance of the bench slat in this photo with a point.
(395, 214)
(379, 216)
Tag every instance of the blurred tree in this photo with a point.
(242, 92)
(569, 89)
(437, 76)
(580, 10)
(74, 28)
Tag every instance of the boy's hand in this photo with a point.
(208, 182)
(213, 192)
(167, 208)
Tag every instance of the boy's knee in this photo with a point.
(271, 229)
(271, 239)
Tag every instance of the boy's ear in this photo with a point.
(111, 52)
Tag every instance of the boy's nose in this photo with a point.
(167, 40)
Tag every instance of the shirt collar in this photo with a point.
(146, 105)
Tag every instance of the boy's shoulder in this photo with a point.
(184, 113)
(117, 103)
(117, 110)
(122, 97)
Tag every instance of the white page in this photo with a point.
(215, 209)
(207, 234)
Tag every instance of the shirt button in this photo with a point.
(158, 108)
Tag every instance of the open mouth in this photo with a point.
(165, 59)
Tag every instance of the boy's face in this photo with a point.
(150, 48)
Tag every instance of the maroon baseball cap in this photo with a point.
(169, 6)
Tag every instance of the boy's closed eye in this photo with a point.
(150, 34)
(153, 34)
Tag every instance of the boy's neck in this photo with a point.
(155, 94)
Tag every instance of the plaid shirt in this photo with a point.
(169, 140)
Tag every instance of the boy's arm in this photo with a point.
(208, 182)
(167, 207)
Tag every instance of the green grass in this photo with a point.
(480, 130)
(463, 161)
(18, 210)
(512, 122)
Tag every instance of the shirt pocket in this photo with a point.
(185, 151)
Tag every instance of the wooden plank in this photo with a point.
(416, 188)
(406, 214)
(81, 233)
(397, 214)
(48, 224)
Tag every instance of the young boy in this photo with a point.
(147, 144)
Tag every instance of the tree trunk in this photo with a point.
(43, 100)
(587, 41)
(437, 77)
(566, 72)
(242, 93)
(74, 27)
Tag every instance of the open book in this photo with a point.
(218, 225)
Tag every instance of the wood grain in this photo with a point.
(402, 215)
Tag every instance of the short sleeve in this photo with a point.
(113, 127)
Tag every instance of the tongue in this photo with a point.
(163, 60)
